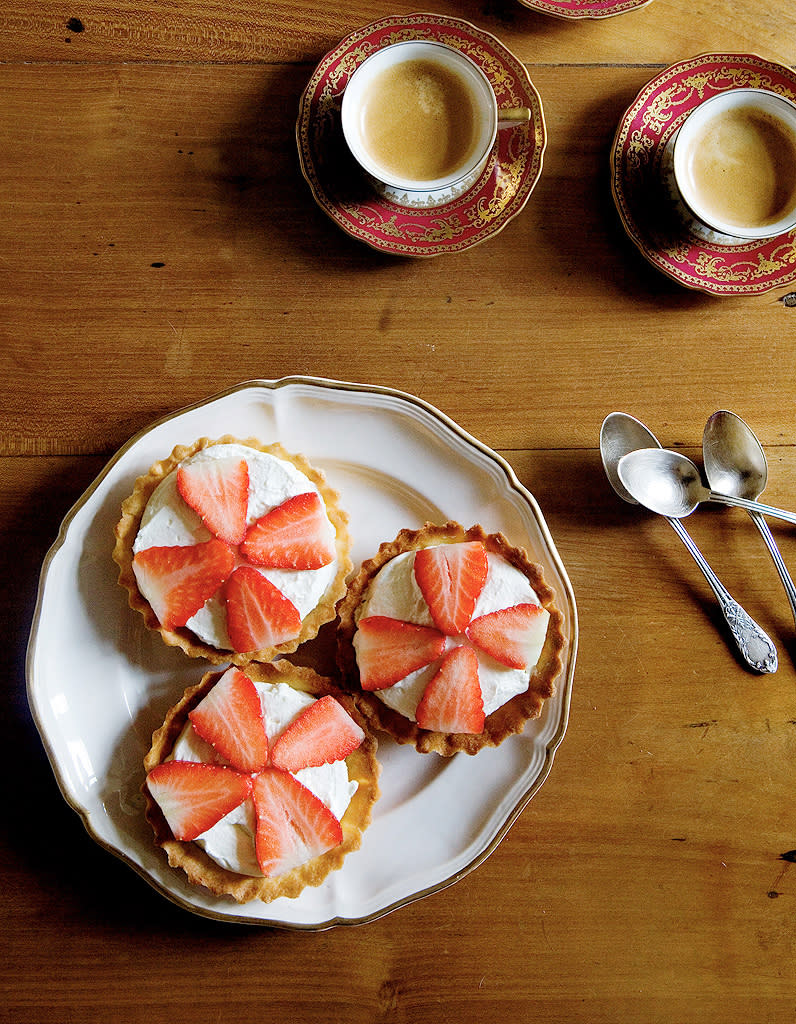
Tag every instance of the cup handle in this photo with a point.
(510, 117)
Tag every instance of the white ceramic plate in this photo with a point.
(99, 683)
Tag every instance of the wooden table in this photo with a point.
(157, 245)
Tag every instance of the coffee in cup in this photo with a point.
(421, 119)
(735, 163)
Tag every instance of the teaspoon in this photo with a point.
(622, 434)
(669, 483)
(735, 464)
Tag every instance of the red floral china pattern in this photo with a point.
(340, 188)
(651, 215)
(584, 8)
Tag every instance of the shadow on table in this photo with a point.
(262, 186)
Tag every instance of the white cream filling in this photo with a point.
(394, 592)
(230, 842)
(169, 521)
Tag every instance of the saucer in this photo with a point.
(340, 187)
(571, 9)
(650, 209)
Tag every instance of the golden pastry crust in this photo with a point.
(506, 720)
(192, 859)
(128, 526)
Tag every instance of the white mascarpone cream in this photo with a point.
(230, 842)
(394, 592)
(168, 521)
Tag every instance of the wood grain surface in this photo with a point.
(157, 245)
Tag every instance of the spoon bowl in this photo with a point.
(670, 483)
(735, 462)
(663, 481)
(620, 434)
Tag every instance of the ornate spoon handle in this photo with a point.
(771, 544)
(755, 646)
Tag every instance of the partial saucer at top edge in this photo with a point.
(651, 214)
(339, 186)
(583, 9)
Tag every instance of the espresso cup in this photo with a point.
(734, 163)
(421, 118)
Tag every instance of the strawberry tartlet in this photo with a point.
(260, 781)
(450, 638)
(233, 550)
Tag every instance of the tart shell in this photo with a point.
(192, 859)
(506, 720)
(128, 526)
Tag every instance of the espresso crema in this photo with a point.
(419, 121)
(742, 166)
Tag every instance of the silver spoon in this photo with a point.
(735, 464)
(621, 434)
(669, 483)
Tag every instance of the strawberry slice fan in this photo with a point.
(451, 578)
(178, 581)
(292, 824)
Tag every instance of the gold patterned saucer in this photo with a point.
(572, 9)
(340, 187)
(647, 200)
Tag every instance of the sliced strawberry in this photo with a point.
(324, 732)
(258, 614)
(194, 796)
(389, 649)
(513, 636)
(293, 826)
(218, 491)
(178, 580)
(294, 535)
(451, 578)
(452, 701)
(230, 718)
